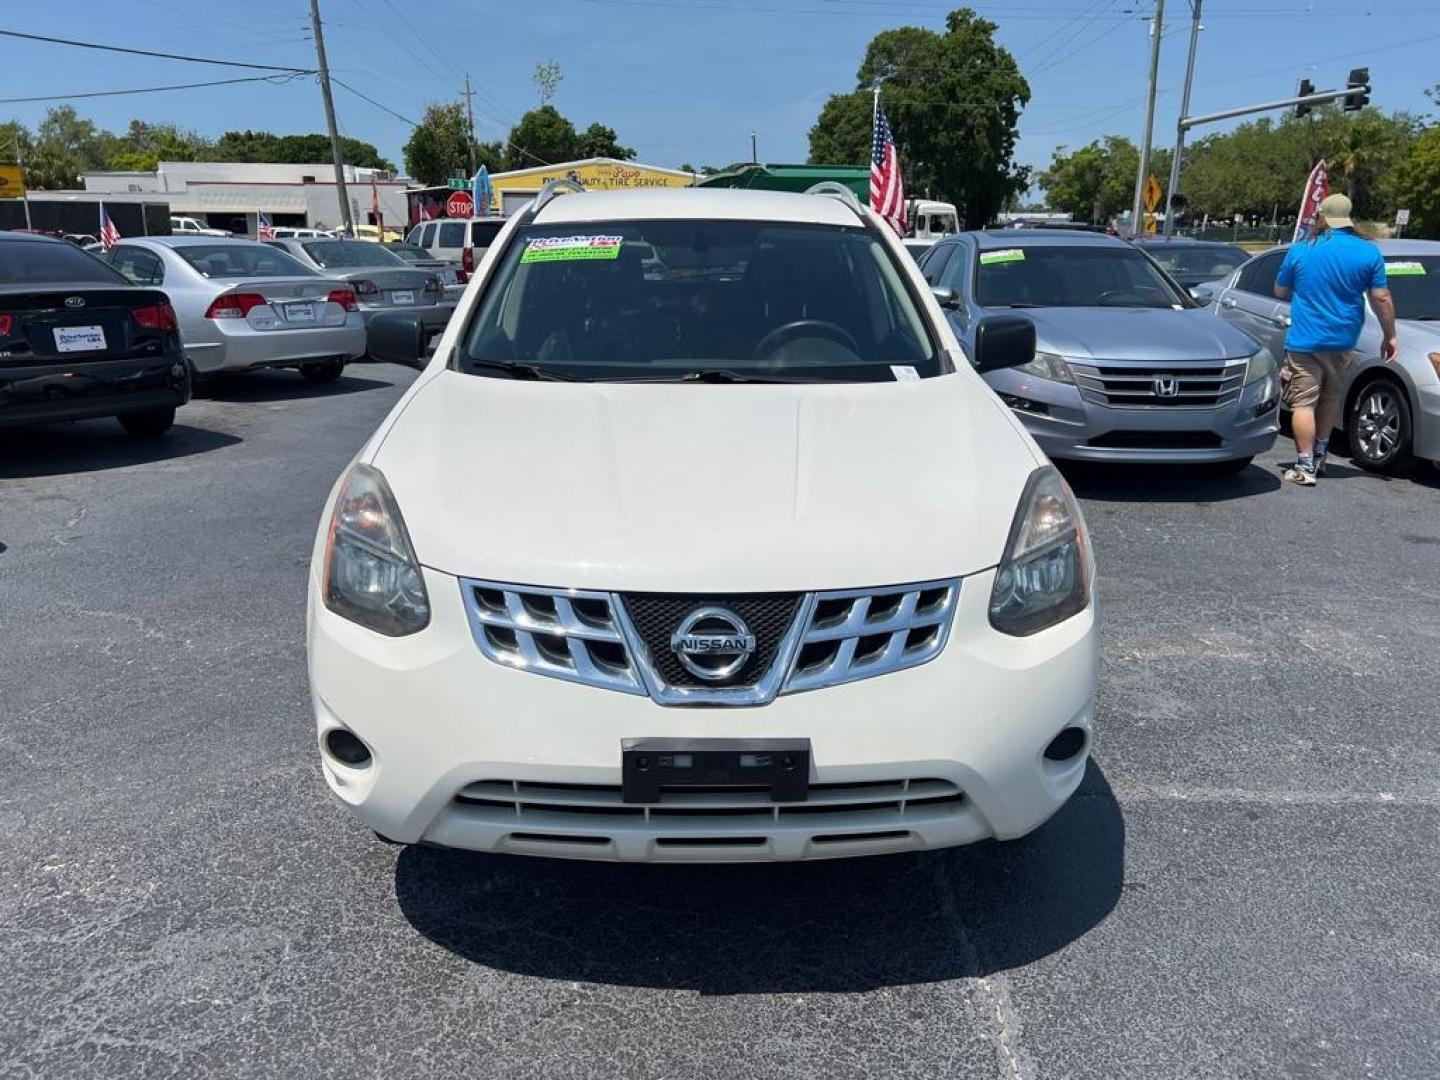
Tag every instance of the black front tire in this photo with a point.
(1378, 427)
(322, 372)
(149, 423)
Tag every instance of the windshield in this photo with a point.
(1414, 282)
(26, 262)
(669, 300)
(239, 259)
(1193, 264)
(1078, 276)
(349, 254)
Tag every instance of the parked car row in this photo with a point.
(127, 332)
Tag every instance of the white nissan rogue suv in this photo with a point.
(700, 539)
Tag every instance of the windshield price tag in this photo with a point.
(1405, 269)
(1009, 255)
(904, 373)
(572, 248)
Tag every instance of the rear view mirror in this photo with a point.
(1003, 341)
(397, 337)
(946, 298)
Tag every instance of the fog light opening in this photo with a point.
(346, 748)
(1068, 744)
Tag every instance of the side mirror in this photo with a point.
(397, 337)
(1003, 341)
(1201, 297)
(946, 298)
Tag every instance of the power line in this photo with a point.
(147, 52)
(274, 80)
(372, 101)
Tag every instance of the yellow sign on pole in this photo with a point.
(1152, 192)
(12, 182)
(1150, 229)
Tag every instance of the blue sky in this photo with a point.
(688, 80)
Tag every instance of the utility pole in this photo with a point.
(470, 120)
(1157, 27)
(1174, 187)
(754, 150)
(346, 216)
(20, 161)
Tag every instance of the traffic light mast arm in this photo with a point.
(1188, 122)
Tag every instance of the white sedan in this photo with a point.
(733, 560)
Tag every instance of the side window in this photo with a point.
(940, 257)
(452, 234)
(139, 266)
(1259, 276)
(957, 273)
(428, 236)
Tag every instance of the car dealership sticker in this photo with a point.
(1405, 269)
(1008, 255)
(904, 373)
(572, 248)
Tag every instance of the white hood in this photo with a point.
(702, 487)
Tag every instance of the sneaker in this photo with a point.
(1298, 474)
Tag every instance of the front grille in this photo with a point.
(656, 616)
(853, 635)
(803, 641)
(593, 806)
(1205, 385)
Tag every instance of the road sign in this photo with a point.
(459, 183)
(459, 204)
(1150, 229)
(1152, 192)
(1402, 217)
(12, 182)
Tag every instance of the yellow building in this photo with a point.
(598, 174)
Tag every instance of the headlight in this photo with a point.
(1261, 366)
(371, 574)
(1044, 577)
(1047, 365)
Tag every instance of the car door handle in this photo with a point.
(1282, 321)
(1227, 303)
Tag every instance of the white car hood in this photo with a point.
(705, 488)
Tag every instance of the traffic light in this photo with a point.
(1306, 89)
(1359, 81)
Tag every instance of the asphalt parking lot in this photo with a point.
(1248, 884)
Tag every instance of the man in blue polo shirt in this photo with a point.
(1327, 280)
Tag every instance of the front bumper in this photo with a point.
(437, 716)
(37, 393)
(1069, 428)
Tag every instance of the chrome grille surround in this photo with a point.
(1207, 384)
(525, 628)
(588, 637)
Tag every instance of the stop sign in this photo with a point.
(459, 204)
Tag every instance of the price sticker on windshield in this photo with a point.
(1405, 269)
(1008, 255)
(572, 249)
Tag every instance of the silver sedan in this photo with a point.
(243, 305)
(382, 281)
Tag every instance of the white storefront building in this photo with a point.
(227, 195)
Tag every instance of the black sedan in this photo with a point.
(77, 340)
(1193, 262)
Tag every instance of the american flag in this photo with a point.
(264, 229)
(109, 234)
(887, 193)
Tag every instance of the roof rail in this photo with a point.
(837, 190)
(553, 188)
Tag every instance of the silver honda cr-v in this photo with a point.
(1128, 367)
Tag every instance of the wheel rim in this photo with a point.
(1377, 423)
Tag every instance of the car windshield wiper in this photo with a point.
(521, 371)
(716, 375)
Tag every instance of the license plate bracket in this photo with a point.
(80, 339)
(300, 313)
(781, 765)
(403, 296)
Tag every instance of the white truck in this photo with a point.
(188, 226)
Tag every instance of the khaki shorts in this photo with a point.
(1310, 378)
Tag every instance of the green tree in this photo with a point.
(65, 146)
(542, 137)
(953, 101)
(246, 145)
(1097, 182)
(144, 146)
(311, 149)
(597, 140)
(437, 149)
(1417, 185)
